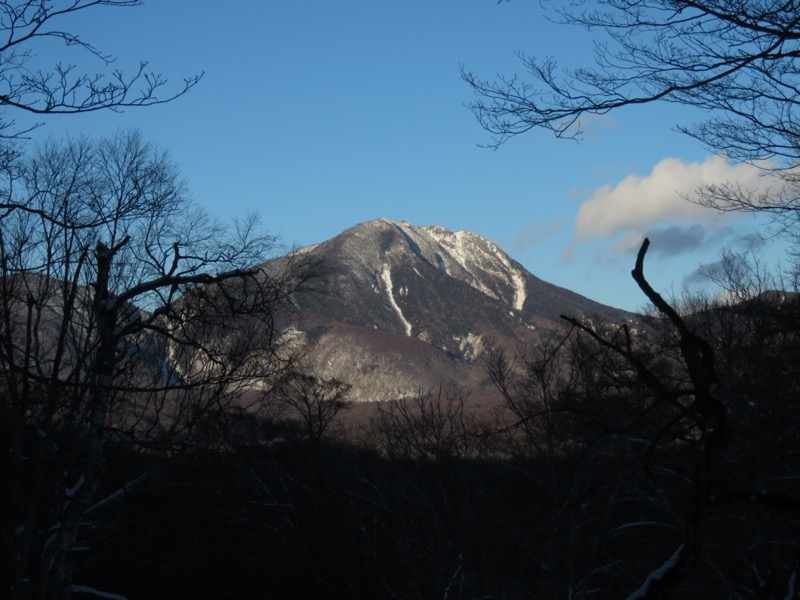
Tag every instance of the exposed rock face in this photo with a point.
(406, 307)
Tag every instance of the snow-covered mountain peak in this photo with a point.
(403, 306)
(438, 232)
(462, 254)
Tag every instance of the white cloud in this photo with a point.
(639, 202)
(594, 126)
(534, 233)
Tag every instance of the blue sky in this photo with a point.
(321, 115)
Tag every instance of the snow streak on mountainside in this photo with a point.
(386, 276)
(468, 257)
(403, 307)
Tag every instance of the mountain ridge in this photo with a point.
(451, 295)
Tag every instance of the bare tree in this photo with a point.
(315, 401)
(736, 60)
(532, 385)
(63, 88)
(722, 55)
(117, 305)
(427, 426)
(677, 440)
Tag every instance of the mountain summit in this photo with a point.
(404, 307)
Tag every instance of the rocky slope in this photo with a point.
(402, 307)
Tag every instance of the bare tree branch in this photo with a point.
(738, 60)
(63, 88)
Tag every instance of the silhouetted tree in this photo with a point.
(314, 401)
(735, 60)
(127, 316)
(427, 426)
(677, 449)
(63, 88)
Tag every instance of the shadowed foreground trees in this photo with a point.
(116, 303)
(684, 434)
(427, 426)
(604, 476)
(141, 363)
(679, 438)
(314, 401)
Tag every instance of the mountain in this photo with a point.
(402, 308)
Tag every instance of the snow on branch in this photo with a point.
(658, 574)
(84, 589)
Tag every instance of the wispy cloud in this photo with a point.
(639, 203)
(593, 126)
(672, 240)
(534, 233)
(740, 251)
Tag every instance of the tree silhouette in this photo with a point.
(117, 299)
(64, 88)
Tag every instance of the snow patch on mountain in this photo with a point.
(467, 257)
(471, 346)
(517, 279)
(303, 250)
(520, 293)
(386, 276)
(477, 254)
